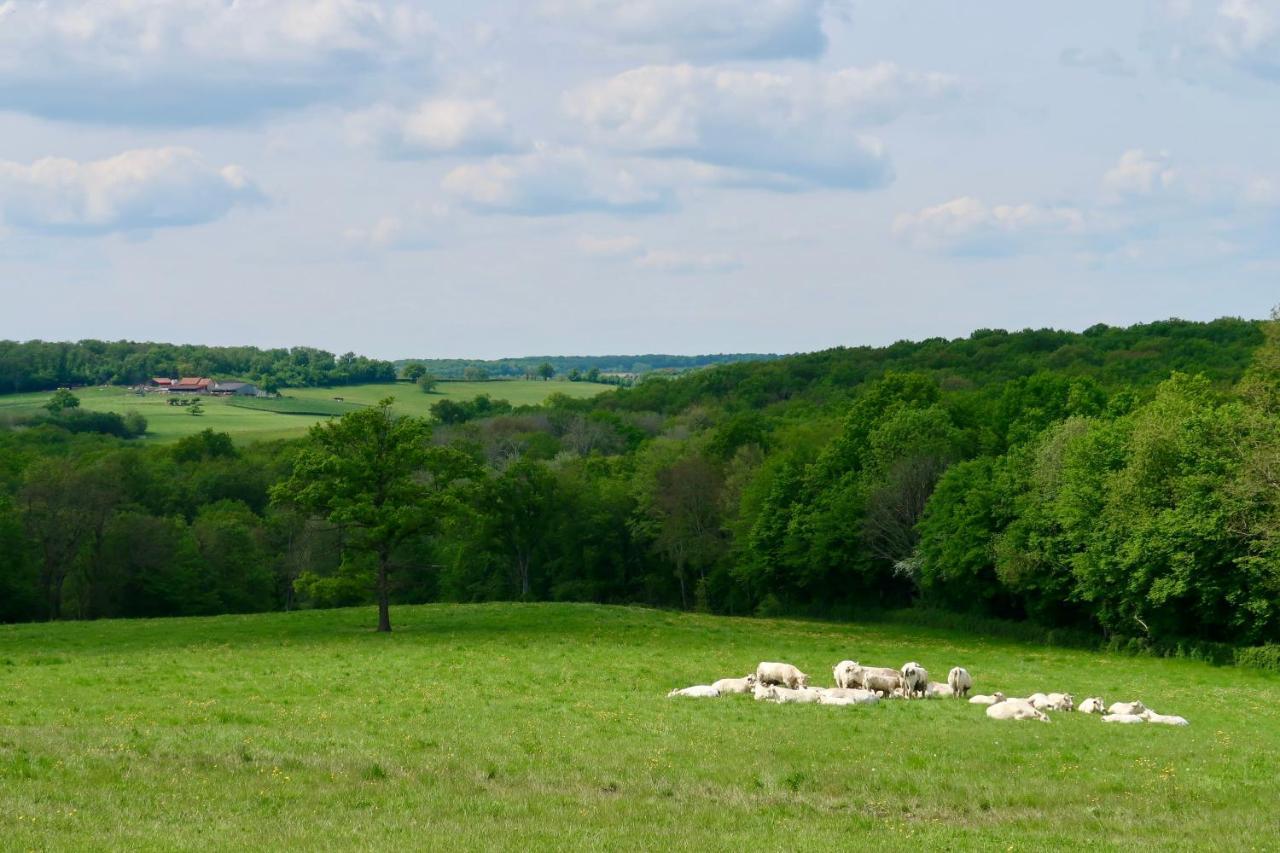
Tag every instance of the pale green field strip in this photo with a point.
(253, 419)
(547, 727)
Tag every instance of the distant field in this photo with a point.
(546, 726)
(410, 400)
(250, 419)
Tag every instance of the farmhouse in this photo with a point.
(235, 389)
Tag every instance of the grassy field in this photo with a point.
(547, 726)
(250, 419)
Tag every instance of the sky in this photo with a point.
(502, 178)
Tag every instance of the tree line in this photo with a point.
(1121, 482)
(45, 365)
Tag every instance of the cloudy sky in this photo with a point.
(507, 177)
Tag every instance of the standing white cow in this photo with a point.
(960, 682)
(915, 678)
(785, 674)
(846, 674)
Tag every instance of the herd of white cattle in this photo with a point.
(863, 685)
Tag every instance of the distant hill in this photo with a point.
(608, 365)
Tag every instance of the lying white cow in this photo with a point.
(846, 696)
(1127, 708)
(980, 699)
(785, 695)
(1015, 709)
(934, 690)
(915, 679)
(698, 691)
(845, 674)
(1092, 705)
(1124, 718)
(1052, 701)
(1164, 719)
(781, 673)
(735, 685)
(960, 682)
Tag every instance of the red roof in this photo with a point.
(160, 380)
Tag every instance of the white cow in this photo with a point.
(960, 682)
(915, 678)
(1052, 701)
(1092, 705)
(781, 673)
(881, 679)
(1124, 718)
(698, 691)
(847, 696)
(980, 699)
(1127, 708)
(1015, 709)
(939, 691)
(786, 695)
(845, 674)
(1164, 719)
(735, 685)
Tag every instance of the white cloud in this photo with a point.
(1215, 39)
(133, 191)
(969, 226)
(554, 181)
(701, 29)
(432, 128)
(671, 261)
(189, 62)
(1106, 61)
(1140, 174)
(805, 124)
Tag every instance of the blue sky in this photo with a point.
(591, 176)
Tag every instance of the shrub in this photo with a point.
(1260, 657)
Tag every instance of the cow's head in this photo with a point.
(804, 680)
(998, 696)
(751, 679)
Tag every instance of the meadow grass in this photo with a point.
(545, 726)
(289, 416)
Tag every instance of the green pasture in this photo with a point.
(412, 401)
(546, 726)
(250, 419)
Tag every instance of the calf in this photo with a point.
(735, 685)
(781, 673)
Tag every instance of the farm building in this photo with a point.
(235, 389)
(191, 385)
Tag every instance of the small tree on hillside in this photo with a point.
(427, 382)
(197, 408)
(546, 370)
(375, 474)
(61, 401)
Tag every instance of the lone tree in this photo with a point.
(546, 370)
(62, 400)
(427, 382)
(412, 372)
(375, 475)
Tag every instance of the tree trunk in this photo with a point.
(684, 598)
(384, 594)
(524, 577)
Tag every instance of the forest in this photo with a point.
(44, 365)
(1120, 483)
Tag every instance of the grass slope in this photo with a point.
(546, 726)
(251, 419)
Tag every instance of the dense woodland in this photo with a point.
(568, 365)
(43, 365)
(1123, 482)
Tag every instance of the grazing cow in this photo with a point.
(1124, 718)
(1015, 709)
(934, 690)
(960, 682)
(1164, 719)
(781, 673)
(846, 674)
(979, 699)
(735, 685)
(698, 691)
(1127, 708)
(848, 695)
(1092, 705)
(915, 679)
